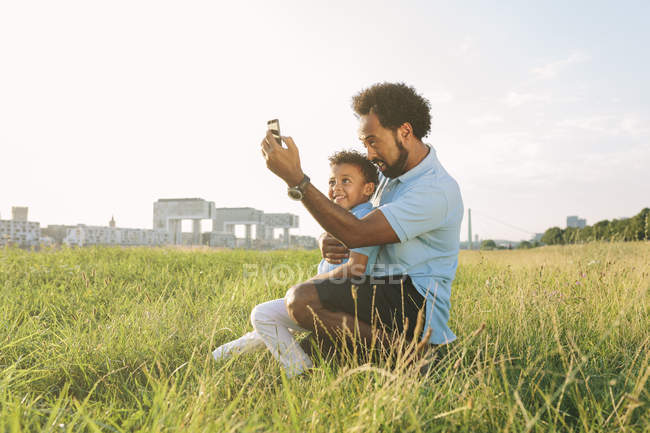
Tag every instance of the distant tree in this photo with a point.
(488, 244)
(601, 231)
(570, 235)
(636, 228)
(553, 236)
(524, 245)
(619, 230)
(640, 225)
(644, 216)
(586, 234)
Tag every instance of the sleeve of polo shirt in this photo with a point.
(417, 210)
(366, 251)
(370, 253)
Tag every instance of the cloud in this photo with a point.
(628, 124)
(525, 160)
(551, 70)
(467, 49)
(513, 155)
(440, 97)
(631, 124)
(485, 119)
(516, 99)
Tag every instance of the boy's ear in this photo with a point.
(369, 189)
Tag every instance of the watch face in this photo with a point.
(295, 193)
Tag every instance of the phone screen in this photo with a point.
(274, 127)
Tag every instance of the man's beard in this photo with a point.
(399, 167)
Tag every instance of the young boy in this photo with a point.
(352, 182)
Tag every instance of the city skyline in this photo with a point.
(539, 111)
(20, 213)
(260, 230)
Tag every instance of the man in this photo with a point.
(416, 221)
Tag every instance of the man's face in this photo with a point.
(348, 186)
(383, 146)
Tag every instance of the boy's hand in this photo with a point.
(284, 163)
(332, 250)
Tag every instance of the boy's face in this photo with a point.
(348, 187)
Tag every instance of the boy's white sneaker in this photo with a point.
(246, 343)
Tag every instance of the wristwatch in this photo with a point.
(297, 192)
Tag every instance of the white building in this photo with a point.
(169, 213)
(306, 242)
(83, 235)
(20, 233)
(227, 240)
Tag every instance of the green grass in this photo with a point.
(108, 339)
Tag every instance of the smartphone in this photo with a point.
(274, 127)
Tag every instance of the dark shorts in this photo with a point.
(378, 301)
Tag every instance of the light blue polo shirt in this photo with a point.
(424, 207)
(358, 211)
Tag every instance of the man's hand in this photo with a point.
(332, 250)
(284, 163)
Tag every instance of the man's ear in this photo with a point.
(405, 131)
(369, 189)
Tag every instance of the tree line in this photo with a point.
(636, 228)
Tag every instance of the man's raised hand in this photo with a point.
(284, 163)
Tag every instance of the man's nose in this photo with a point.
(370, 154)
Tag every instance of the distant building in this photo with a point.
(537, 237)
(574, 221)
(220, 239)
(22, 234)
(260, 229)
(306, 242)
(18, 231)
(83, 235)
(56, 232)
(505, 244)
(168, 215)
(19, 213)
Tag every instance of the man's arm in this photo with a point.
(373, 229)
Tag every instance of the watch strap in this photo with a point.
(297, 192)
(303, 184)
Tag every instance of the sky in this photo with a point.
(540, 109)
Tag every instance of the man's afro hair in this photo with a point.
(394, 104)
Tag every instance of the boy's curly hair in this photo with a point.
(394, 104)
(353, 157)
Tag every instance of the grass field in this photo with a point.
(107, 339)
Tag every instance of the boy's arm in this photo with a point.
(355, 267)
